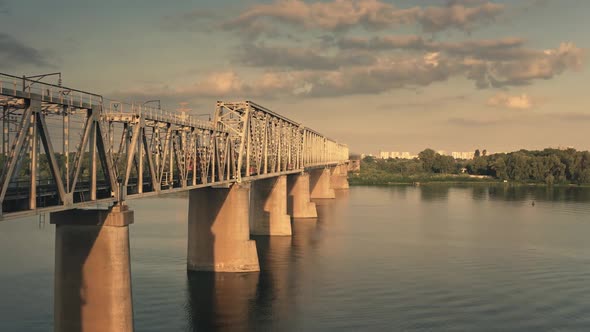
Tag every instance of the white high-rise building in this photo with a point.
(463, 155)
(395, 154)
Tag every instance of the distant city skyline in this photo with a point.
(501, 74)
(409, 154)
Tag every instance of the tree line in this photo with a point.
(551, 166)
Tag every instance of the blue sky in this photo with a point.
(376, 74)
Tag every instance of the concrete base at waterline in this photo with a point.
(219, 232)
(92, 270)
(268, 207)
(320, 184)
(339, 177)
(299, 204)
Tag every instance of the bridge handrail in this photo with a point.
(46, 91)
(23, 87)
(116, 107)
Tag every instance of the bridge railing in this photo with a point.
(22, 87)
(114, 108)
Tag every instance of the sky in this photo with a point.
(374, 74)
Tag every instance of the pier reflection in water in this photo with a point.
(267, 299)
(249, 301)
(220, 301)
(434, 257)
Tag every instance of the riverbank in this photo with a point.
(426, 179)
(391, 179)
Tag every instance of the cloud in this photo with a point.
(411, 42)
(465, 122)
(215, 84)
(381, 76)
(260, 55)
(226, 85)
(423, 103)
(489, 63)
(485, 48)
(333, 16)
(194, 20)
(289, 73)
(457, 15)
(14, 52)
(341, 15)
(385, 74)
(4, 9)
(535, 65)
(571, 116)
(337, 64)
(503, 100)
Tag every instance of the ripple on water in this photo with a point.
(394, 259)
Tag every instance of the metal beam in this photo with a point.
(15, 152)
(50, 153)
(80, 152)
(244, 142)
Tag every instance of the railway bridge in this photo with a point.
(65, 152)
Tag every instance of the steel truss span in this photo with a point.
(64, 148)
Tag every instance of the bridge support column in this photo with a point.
(92, 270)
(320, 184)
(219, 232)
(299, 204)
(268, 207)
(339, 177)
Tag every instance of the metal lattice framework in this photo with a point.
(64, 148)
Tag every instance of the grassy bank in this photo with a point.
(422, 179)
(384, 178)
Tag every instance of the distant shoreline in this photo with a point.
(386, 179)
(469, 181)
(548, 167)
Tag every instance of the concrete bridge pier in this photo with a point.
(92, 270)
(299, 204)
(219, 232)
(339, 177)
(268, 207)
(320, 184)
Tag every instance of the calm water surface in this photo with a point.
(440, 257)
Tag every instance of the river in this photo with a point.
(402, 258)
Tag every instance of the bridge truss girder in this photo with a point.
(64, 148)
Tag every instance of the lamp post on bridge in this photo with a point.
(37, 78)
(154, 101)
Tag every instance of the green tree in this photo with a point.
(499, 168)
(443, 164)
(427, 157)
(517, 166)
(549, 179)
(583, 176)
